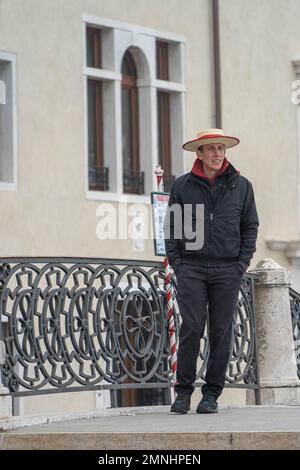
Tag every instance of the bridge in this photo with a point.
(74, 324)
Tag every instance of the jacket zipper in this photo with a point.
(214, 203)
(213, 206)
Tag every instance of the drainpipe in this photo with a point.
(217, 63)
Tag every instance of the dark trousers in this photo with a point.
(199, 286)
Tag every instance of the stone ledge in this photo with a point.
(152, 440)
(15, 422)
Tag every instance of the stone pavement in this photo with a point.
(252, 427)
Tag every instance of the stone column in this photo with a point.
(5, 403)
(276, 355)
(5, 399)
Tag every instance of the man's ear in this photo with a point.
(199, 154)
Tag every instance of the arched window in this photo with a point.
(133, 178)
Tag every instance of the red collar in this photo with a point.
(198, 170)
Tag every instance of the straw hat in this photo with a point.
(210, 136)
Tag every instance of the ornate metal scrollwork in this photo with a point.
(4, 273)
(295, 314)
(242, 364)
(76, 323)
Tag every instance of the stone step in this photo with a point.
(259, 427)
(149, 441)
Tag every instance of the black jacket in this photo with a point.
(230, 220)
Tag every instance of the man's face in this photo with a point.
(212, 156)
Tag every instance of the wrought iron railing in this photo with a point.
(99, 178)
(71, 324)
(133, 183)
(295, 314)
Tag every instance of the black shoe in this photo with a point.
(181, 404)
(207, 404)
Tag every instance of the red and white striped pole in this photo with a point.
(159, 172)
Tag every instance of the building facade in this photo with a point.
(95, 94)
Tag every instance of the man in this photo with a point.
(208, 273)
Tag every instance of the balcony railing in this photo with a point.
(99, 179)
(133, 183)
(72, 324)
